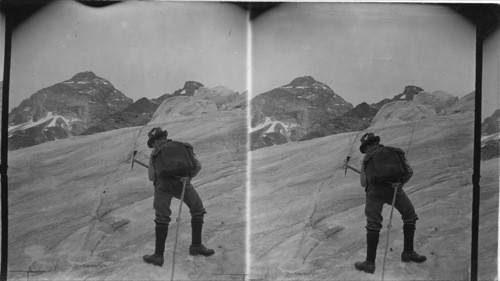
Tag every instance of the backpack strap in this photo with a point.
(369, 156)
(157, 149)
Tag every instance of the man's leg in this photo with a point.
(193, 201)
(161, 205)
(407, 211)
(373, 212)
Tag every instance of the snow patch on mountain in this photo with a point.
(315, 85)
(101, 81)
(49, 116)
(484, 139)
(272, 125)
(321, 85)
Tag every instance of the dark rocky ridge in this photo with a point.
(285, 105)
(407, 95)
(305, 105)
(137, 114)
(85, 104)
(312, 110)
(70, 107)
(140, 112)
(490, 127)
(491, 124)
(188, 90)
(490, 150)
(84, 97)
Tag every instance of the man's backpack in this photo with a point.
(176, 159)
(385, 164)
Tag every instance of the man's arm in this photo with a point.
(362, 176)
(409, 169)
(198, 164)
(151, 170)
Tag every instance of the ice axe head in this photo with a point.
(133, 158)
(345, 164)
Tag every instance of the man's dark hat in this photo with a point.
(367, 139)
(154, 134)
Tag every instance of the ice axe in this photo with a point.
(347, 166)
(138, 162)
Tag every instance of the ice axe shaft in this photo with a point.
(140, 163)
(354, 169)
(137, 161)
(347, 166)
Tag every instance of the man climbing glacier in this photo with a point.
(165, 188)
(380, 191)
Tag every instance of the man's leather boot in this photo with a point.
(196, 247)
(368, 265)
(408, 253)
(161, 231)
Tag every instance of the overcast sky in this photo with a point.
(364, 52)
(491, 74)
(145, 49)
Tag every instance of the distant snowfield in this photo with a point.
(309, 220)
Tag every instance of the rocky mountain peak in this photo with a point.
(85, 76)
(306, 87)
(408, 94)
(191, 86)
(142, 100)
(362, 111)
(89, 84)
(303, 81)
(188, 90)
(301, 108)
(411, 91)
(64, 109)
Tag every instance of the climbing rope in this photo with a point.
(389, 225)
